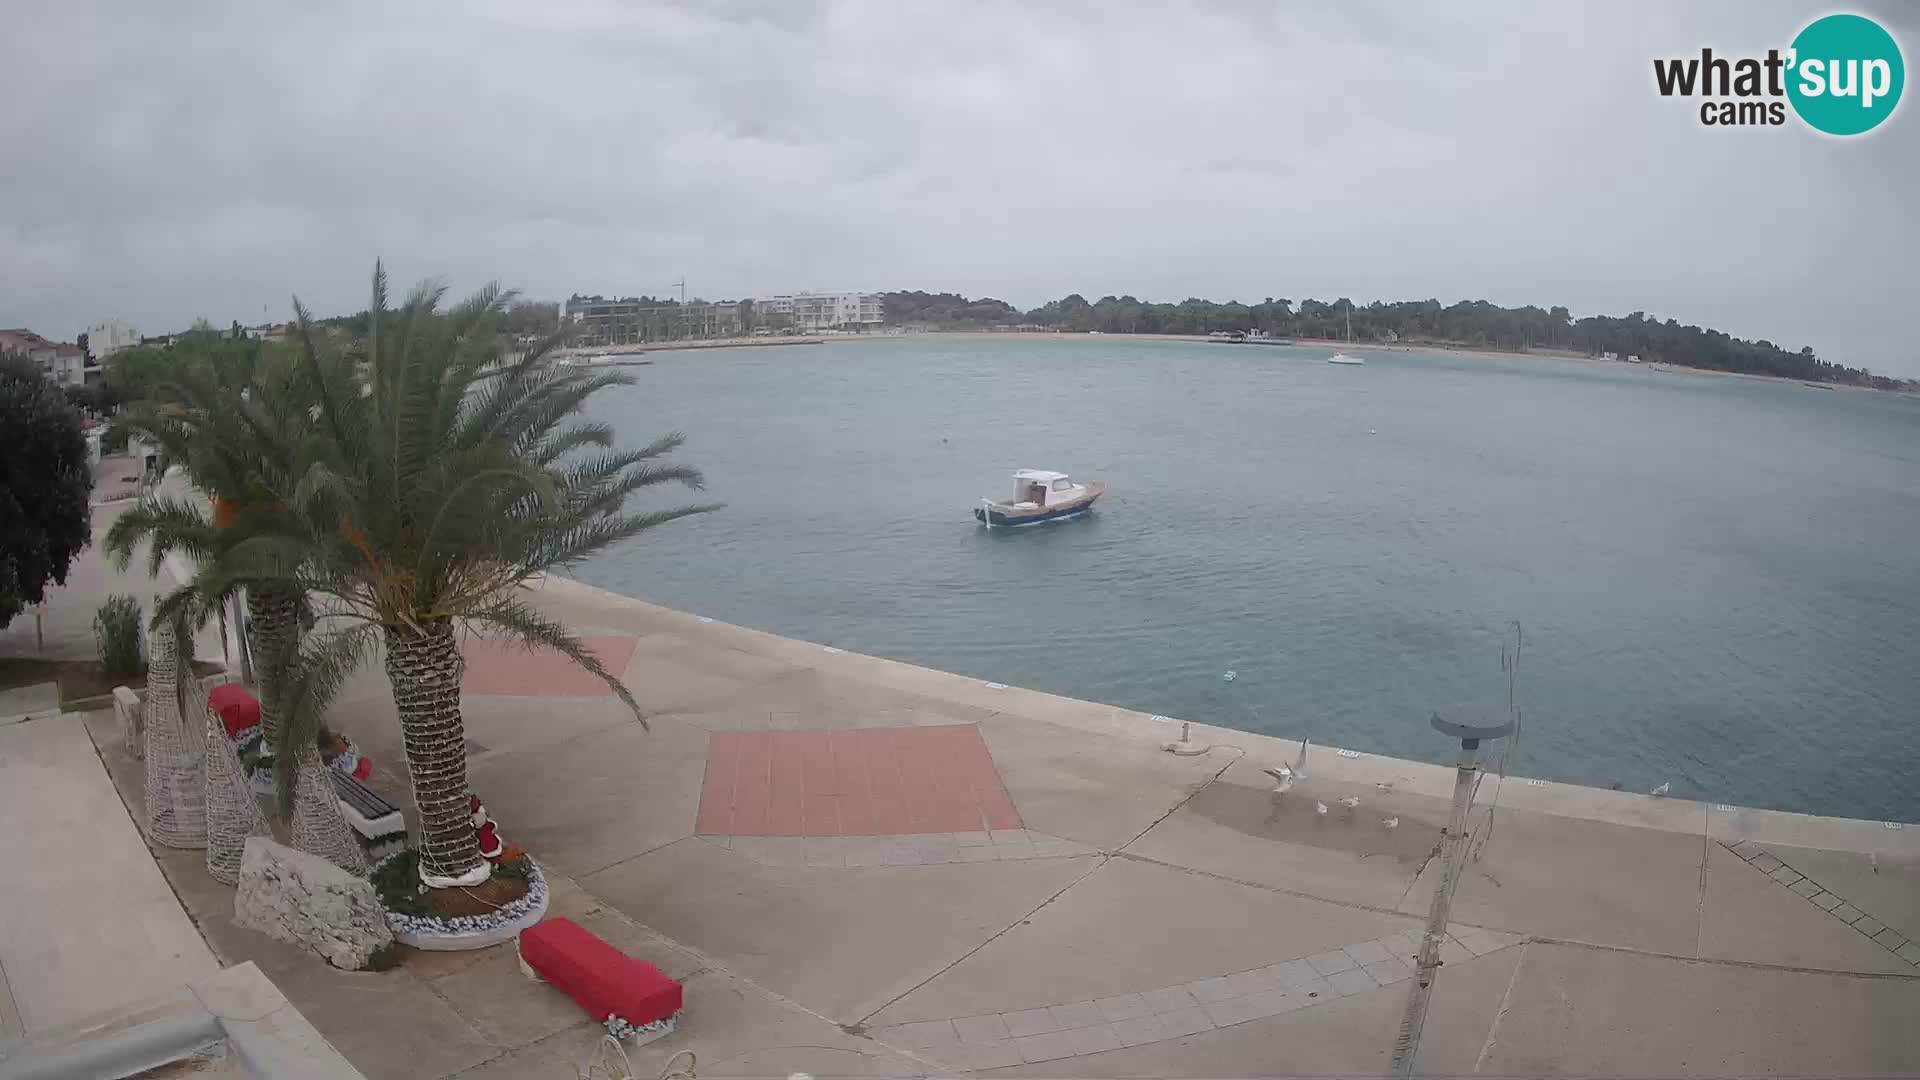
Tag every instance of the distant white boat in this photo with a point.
(1340, 357)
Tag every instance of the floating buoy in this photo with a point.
(1231, 675)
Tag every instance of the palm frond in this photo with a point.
(308, 676)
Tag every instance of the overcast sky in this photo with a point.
(165, 161)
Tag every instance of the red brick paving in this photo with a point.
(869, 782)
(503, 667)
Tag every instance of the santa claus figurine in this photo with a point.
(484, 830)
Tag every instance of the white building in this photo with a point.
(105, 339)
(814, 311)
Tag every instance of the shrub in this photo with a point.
(114, 439)
(116, 629)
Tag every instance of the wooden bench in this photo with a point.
(376, 820)
(601, 979)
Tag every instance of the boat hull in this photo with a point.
(1004, 517)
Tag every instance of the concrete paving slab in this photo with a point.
(807, 699)
(25, 702)
(1580, 880)
(1102, 792)
(502, 723)
(1343, 1037)
(1134, 926)
(668, 675)
(592, 801)
(93, 929)
(1595, 1012)
(734, 1027)
(1884, 886)
(1239, 828)
(842, 942)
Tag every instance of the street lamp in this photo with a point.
(1472, 725)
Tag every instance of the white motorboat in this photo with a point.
(1039, 496)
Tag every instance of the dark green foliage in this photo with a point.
(45, 483)
(397, 880)
(116, 630)
(384, 958)
(1474, 323)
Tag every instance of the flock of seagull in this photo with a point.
(1286, 775)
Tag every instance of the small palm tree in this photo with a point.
(435, 475)
(231, 412)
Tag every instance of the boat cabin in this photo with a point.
(1040, 488)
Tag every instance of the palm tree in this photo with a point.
(437, 474)
(230, 412)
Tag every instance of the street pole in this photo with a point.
(1453, 848)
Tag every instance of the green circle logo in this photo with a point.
(1846, 75)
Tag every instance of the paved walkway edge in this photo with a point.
(1728, 824)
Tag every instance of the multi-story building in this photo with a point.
(109, 337)
(632, 319)
(64, 363)
(815, 311)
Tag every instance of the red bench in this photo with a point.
(600, 978)
(235, 707)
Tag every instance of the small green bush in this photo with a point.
(114, 439)
(116, 629)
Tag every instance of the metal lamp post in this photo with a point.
(1471, 725)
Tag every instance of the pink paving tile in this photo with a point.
(856, 796)
(786, 787)
(501, 667)
(873, 781)
(753, 787)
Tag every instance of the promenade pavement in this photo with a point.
(860, 867)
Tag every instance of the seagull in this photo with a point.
(1320, 808)
(1385, 785)
(1285, 776)
(1391, 823)
(1662, 789)
(1282, 779)
(1350, 803)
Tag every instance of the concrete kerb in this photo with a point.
(1721, 821)
(239, 1006)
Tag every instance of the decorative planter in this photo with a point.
(473, 931)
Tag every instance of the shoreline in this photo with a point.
(1720, 821)
(1548, 356)
(605, 352)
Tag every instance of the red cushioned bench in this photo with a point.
(235, 707)
(601, 979)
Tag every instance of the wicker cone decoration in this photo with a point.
(317, 825)
(232, 812)
(175, 763)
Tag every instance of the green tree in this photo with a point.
(228, 410)
(435, 478)
(45, 483)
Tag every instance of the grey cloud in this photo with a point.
(167, 161)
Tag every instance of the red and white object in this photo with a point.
(601, 979)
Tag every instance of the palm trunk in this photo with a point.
(425, 669)
(273, 626)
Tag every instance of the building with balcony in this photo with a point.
(816, 311)
(597, 320)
